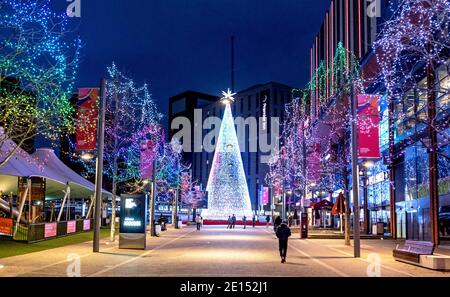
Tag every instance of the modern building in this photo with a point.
(184, 105)
(397, 191)
(262, 104)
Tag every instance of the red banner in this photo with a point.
(146, 162)
(313, 161)
(368, 130)
(50, 230)
(6, 226)
(87, 117)
(71, 227)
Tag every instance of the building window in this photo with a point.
(249, 102)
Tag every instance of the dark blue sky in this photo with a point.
(176, 45)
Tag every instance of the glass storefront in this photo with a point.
(378, 195)
(444, 188)
(443, 105)
(412, 194)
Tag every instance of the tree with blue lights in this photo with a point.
(38, 64)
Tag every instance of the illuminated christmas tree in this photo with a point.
(227, 186)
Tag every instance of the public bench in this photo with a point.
(412, 250)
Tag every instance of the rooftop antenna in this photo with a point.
(232, 63)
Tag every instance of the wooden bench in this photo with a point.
(412, 249)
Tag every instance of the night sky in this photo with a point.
(176, 45)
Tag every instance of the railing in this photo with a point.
(45, 231)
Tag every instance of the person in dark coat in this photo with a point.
(267, 221)
(254, 221)
(229, 222)
(244, 221)
(233, 221)
(283, 233)
(277, 223)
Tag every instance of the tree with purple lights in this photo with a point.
(413, 52)
(316, 151)
(129, 117)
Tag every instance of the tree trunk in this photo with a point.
(347, 210)
(173, 211)
(113, 212)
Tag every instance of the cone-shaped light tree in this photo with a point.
(227, 185)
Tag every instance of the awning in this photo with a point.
(43, 163)
(322, 204)
(59, 175)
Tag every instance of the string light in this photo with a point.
(38, 64)
(227, 185)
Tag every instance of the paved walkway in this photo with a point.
(216, 251)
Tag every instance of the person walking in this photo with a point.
(229, 222)
(233, 221)
(254, 221)
(283, 233)
(244, 221)
(267, 221)
(277, 223)
(198, 220)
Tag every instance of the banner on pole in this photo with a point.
(313, 161)
(87, 118)
(368, 127)
(6, 226)
(146, 161)
(264, 196)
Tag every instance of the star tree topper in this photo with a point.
(227, 97)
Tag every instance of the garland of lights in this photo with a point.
(36, 73)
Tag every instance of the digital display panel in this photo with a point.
(132, 214)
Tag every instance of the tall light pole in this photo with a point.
(355, 176)
(99, 167)
(152, 202)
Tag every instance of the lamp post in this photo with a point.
(355, 176)
(366, 165)
(99, 167)
(152, 203)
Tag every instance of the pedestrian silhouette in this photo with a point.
(229, 222)
(233, 221)
(283, 233)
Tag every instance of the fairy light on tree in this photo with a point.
(130, 110)
(38, 65)
(413, 54)
(227, 185)
(310, 158)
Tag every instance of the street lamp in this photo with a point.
(99, 168)
(87, 156)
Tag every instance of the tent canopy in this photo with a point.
(43, 163)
